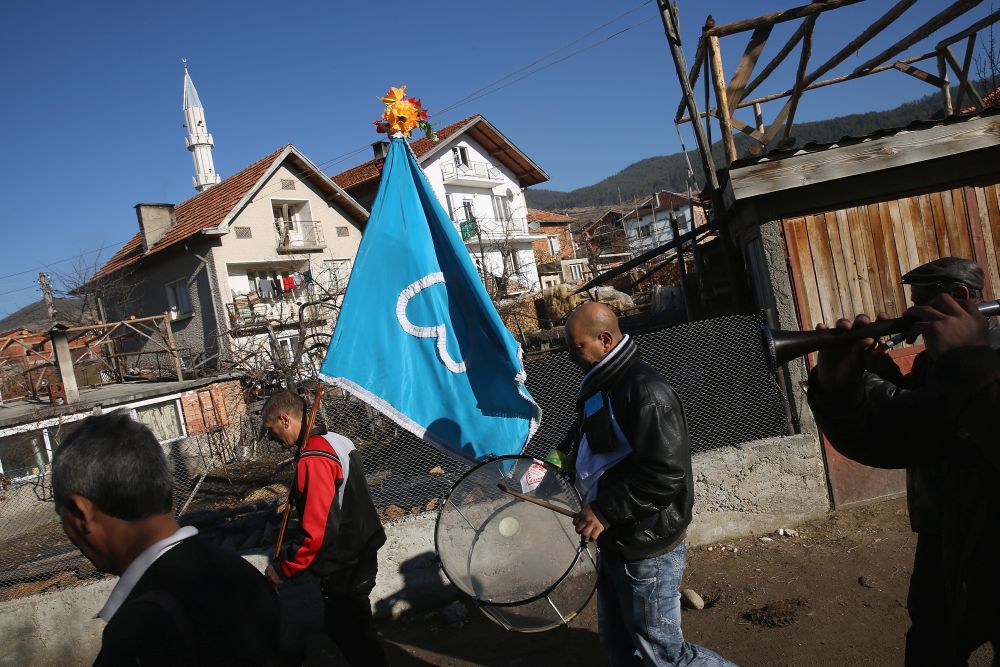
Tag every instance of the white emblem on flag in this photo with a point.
(440, 332)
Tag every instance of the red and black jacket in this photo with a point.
(339, 522)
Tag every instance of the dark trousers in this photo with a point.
(348, 612)
(927, 639)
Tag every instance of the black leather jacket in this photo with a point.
(645, 500)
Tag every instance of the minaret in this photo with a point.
(198, 140)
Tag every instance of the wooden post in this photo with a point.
(946, 88)
(721, 99)
(173, 348)
(758, 118)
(682, 269)
(704, 148)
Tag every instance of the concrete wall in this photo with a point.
(757, 487)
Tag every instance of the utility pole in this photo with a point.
(668, 13)
(43, 278)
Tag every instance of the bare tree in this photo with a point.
(988, 63)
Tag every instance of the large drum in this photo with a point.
(521, 563)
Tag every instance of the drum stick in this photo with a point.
(536, 501)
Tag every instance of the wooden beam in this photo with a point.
(699, 56)
(777, 60)
(751, 54)
(757, 134)
(871, 31)
(758, 118)
(800, 75)
(904, 148)
(970, 31)
(963, 82)
(944, 17)
(918, 73)
(969, 48)
(721, 103)
(946, 87)
(778, 17)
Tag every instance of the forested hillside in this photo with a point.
(668, 172)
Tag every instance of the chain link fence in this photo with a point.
(229, 481)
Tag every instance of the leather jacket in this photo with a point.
(645, 500)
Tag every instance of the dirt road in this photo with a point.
(836, 590)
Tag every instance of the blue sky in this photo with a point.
(92, 93)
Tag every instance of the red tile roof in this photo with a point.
(991, 100)
(203, 211)
(369, 170)
(538, 215)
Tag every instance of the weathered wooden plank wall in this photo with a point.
(851, 260)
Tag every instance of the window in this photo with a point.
(576, 271)
(163, 419)
(287, 184)
(23, 454)
(467, 211)
(501, 208)
(512, 263)
(461, 156)
(178, 298)
(243, 232)
(554, 246)
(643, 232)
(336, 273)
(343, 231)
(286, 348)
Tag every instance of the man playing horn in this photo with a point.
(933, 423)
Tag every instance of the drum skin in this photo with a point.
(522, 564)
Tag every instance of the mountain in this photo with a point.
(668, 172)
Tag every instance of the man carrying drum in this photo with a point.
(630, 459)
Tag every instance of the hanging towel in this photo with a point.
(276, 286)
(288, 283)
(264, 288)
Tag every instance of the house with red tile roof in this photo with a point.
(238, 257)
(479, 177)
(556, 254)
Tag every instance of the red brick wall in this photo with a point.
(214, 406)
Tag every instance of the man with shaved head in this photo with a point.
(629, 457)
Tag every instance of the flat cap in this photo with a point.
(947, 269)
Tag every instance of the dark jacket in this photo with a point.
(943, 430)
(196, 605)
(646, 499)
(339, 522)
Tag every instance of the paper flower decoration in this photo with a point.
(403, 115)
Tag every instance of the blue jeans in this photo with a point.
(639, 613)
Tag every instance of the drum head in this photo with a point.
(523, 564)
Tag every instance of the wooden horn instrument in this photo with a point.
(783, 346)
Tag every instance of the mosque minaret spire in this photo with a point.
(198, 140)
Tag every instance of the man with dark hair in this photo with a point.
(178, 600)
(340, 529)
(887, 419)
(630, 459)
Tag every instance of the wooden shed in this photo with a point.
(828, 230)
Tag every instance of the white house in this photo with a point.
(479, 177)
(647, 226)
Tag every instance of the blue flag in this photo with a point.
(418, 337)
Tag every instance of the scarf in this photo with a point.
(592, 403)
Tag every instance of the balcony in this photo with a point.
(495, 230)
(299, 236)
(475, 174)
(252, 315)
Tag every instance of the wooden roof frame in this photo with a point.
(731, 94)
